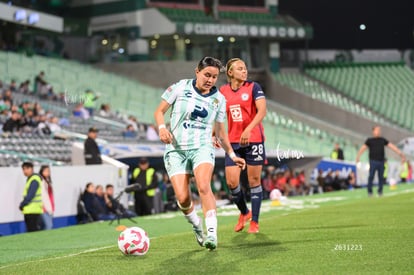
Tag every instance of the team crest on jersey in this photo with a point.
(215, 103)
(245, 97)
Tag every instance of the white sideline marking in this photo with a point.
(62, 257)
(59, 257)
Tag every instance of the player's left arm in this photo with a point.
(260, 103)
(396, 150)
(223, 138)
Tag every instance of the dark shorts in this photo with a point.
(254, 154)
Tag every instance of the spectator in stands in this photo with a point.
(376, 145)
(42, 127)
(145, 177)
(105, 111)
(29, 121)
(114, 206)
(13, 124)
(90, 103)
(4, 115)
(7, 96)
(100, 194)
(267, 184)
(6, 104)
(91, 149)
(131, 120)
(170, 202)
(151, 133)
(93, 206)
(25, 107)
(13, 85)
(53, 124)
(338, 181)
(321, 181)
(40, 84)
(47, 197)
(129, 132)
(352, 183)
(37, 109)
(81, 111)
(31, 206)
(24, 87)
(328, 181)
(337, 153)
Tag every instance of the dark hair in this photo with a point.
(27, 165)
(208, 61)
(109, 186)
(42, 169)
(87, 186)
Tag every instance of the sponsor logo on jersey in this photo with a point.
(199, 112)
(236, 113)
(245, 97)
(188, 125)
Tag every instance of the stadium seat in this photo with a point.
(372, 86)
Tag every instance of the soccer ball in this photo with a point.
(275, 194)
(134, 241)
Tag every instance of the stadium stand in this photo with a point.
(71, 79)
(287, 133)
(314, 89)
(384, 88)
(132, 97)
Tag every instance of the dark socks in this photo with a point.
(256, 194)
(238, 198)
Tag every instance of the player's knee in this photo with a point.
(254, 181)
(204, 189)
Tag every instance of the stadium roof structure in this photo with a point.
(252, 22)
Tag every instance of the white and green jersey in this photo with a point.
(193, 114)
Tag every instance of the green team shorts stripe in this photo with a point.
(185, 161)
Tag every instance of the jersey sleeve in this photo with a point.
(257, 91)
(171, 93)
(386, 141)
(221, 112)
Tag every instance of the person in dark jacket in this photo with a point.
(93, 206)
(91, 149)
(13, 124)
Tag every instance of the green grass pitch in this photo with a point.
(333, 233)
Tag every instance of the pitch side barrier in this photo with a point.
(68, 183)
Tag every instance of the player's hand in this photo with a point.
(244, 138)
(239, 162)
(165, 135)
(216, 142)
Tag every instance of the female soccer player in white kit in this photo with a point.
(197, 108)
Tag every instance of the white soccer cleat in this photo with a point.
(199, 235)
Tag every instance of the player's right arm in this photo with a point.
(221, 135)
(361, 151)
(163, 132)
